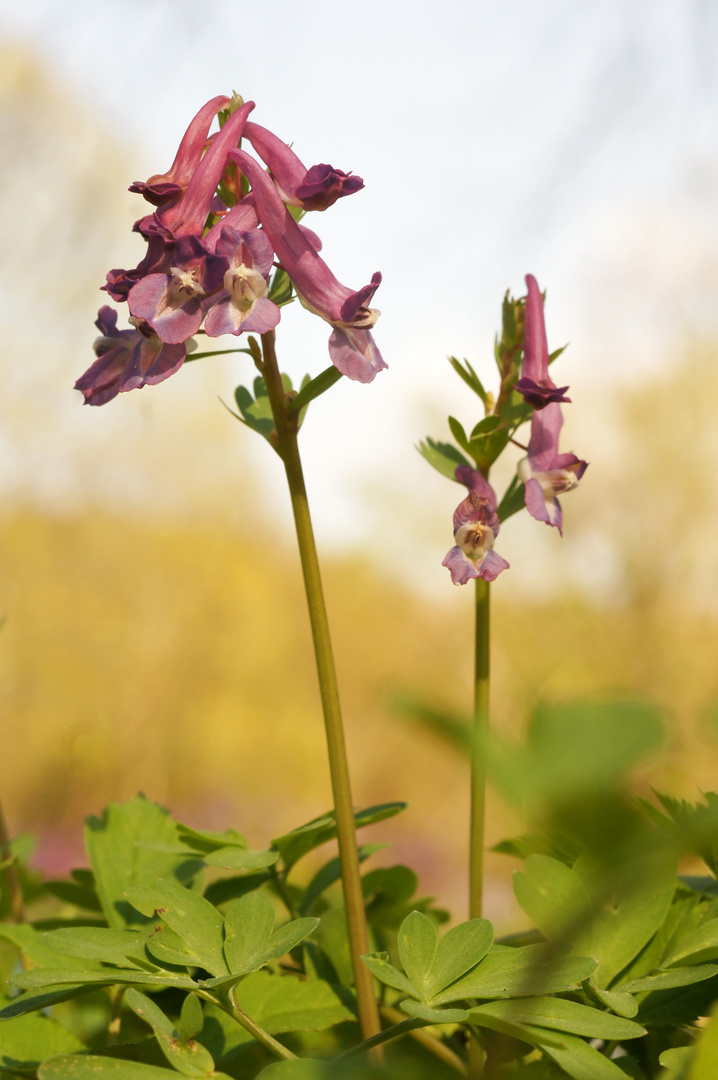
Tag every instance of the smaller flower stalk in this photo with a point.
(525, 392)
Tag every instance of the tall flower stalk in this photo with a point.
(525, 392)
(286, 426)
(224, 255)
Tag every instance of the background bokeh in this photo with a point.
(155, 634)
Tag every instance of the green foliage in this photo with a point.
(299, 842)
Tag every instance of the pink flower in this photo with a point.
(545, 472)
(476, 526)
(535, 383)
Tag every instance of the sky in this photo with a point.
(574, 141)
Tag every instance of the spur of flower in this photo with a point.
(476, 526)
(217, 230)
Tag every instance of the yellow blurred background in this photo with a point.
(156, 637)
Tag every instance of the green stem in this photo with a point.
(288, 448)
(262, 1036)
(478, 784)
(383, 1036)
(478, 770)
(9, 876)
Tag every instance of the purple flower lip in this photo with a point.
(541, 396)
(165, 187)
(243, 304)
(126, 360)
(317, 188)
(172, 303)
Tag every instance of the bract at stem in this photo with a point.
(288, 448)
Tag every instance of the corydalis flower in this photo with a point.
(351, 346)
(244, 306)
(126, 360)
(476, 526)
(317, 188)
(535, 383)
(172, 303)
(545, 472)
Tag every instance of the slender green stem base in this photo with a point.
(478, 783)
(478, 769)
(288, 449)
(262, 1036)
(9, 876)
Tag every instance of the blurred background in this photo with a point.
(156, 638)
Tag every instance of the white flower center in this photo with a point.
(245, 285)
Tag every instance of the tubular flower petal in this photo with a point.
(244, 305)
(165, 187)
(172, 303)
(190, 213)
(126, 359)
(476, 526)
(316, 286)
(535, 384)
(545, 472)
(317, 188)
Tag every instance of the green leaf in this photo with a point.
(98, 943)
(205, 841)
(224, 889)
(556, 899)
(188, 914)
(82, 895)
(579, 1059)
(92, 1067)
(280, 288)
(444, 457)
(44, 978)
(668, 980)
(562, 848)
(458, 432)
(28, 1040)
(434, 1016)
(381, 969)
(454, 730)
(459, 950)
(561, 1015)
(34, 947)
(572, 909)
(294, 845)
(618, 1001)
(233, 858)
(472, 380)
(113, 844)
(485, 427)
(187, 1056)
(191, 1018)
(418, 942)
(513, 500)
(34, 1000)
(279, 1004)
(312, 389)
(333, 938)
(299, 1069)
(250, 941)
(257, 414)
(529, 970)
(574, 750)
(701, 944)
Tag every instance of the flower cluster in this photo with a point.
(220, 225)
(544, 472)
